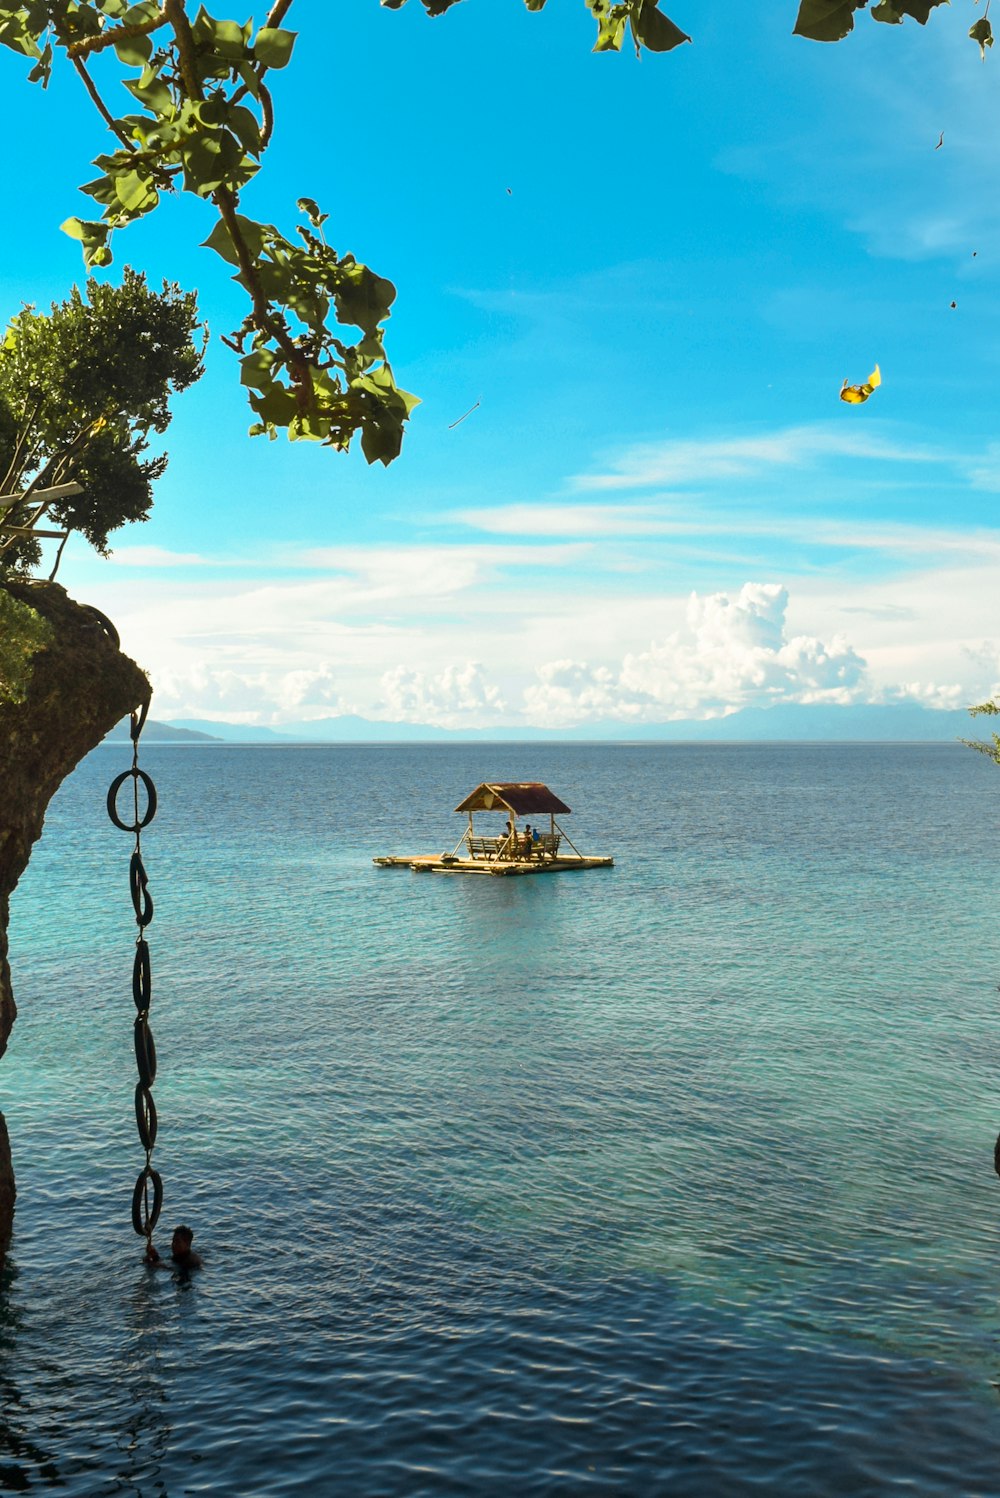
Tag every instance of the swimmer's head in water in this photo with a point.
(181, 1241)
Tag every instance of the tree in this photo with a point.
(81, 390)
(201, 122)
(992, 710)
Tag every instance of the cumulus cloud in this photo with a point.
(248, 696)
(734, 652)
(452, 696)
(928, 694)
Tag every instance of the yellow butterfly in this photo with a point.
(855, 394)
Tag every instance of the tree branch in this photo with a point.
(102, 108)
(278, 12)
(111, 34)
(267, 110)
(226, 200)
(62, 548)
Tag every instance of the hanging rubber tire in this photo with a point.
(140, 1202)
(145, 1052)
(145, 1116)
(142, 977)
(115, 787)
(996, 1156)
(142, 900)
(104, 622)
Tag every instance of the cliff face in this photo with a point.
(79, 688)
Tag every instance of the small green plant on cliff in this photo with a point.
(82, 389)
(992, 750)
(22, 634)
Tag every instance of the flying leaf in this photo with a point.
(855, 394)
(982, 32)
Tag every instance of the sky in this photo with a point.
(645, 282)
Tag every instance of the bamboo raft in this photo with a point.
(513, 853)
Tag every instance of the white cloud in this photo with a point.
(572, 520)
(681, 461)
(985, 473)
(735, 652)
(248, 696)
(451, 697)
(928, 694)
(155, 556)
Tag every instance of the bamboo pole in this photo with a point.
(568, 839)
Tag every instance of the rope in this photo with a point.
(147, 1197)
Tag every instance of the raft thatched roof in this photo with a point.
(522, 797)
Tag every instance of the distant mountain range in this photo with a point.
(788, 722)
(159, 733)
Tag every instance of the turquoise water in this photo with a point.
(674, 1178)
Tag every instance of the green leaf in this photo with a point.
(611, 21)
(86, 232)
(248, 73)
(93, 237)
(135, 192)
(982, 32)
(220, 242)
(277, 407)
(16, 33)
(826, 20)
(653, 30)
(256, 370)
(151, 91)
(310, 208)
(227, 40)
(363, 298)
(139, 15)
(243, 124)
(886, 11)
(273, 46)
(134, 51)
(919, 9)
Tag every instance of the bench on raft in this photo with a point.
(547, 846)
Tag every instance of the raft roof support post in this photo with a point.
(568, 839)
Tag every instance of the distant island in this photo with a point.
(160, 733)
(785, 722)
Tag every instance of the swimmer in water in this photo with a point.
(181, 1252)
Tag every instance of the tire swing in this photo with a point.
(147, 1197)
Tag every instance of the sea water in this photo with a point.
(672, 1178)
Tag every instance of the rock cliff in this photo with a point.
(80, 685)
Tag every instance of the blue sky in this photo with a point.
(653, 277)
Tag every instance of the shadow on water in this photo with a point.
(22, 1460)
(103, 1403)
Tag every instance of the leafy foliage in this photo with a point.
(992, 710)
(650, 28)
(202, 121)
(832, 20)
(81, 390)
(22, 634)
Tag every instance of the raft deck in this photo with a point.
(446, 863)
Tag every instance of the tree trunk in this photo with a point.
(80, 687)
